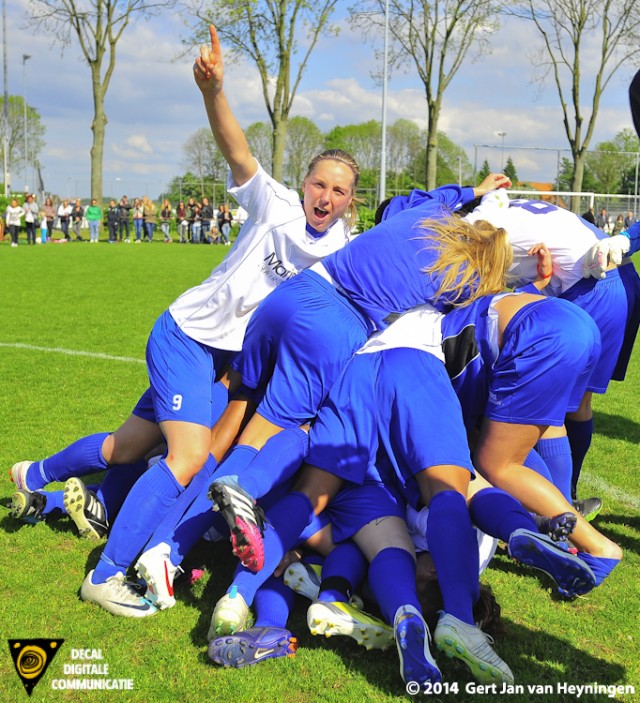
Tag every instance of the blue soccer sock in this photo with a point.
(236, 462)
(78, 459)
(197, 487)
(273, 603)
(343, 572)
(579, 434)
(116, 485)
(286, 521)
(600, 566)
(536, 463)
(154, 493)
(499, 514)
(454, 549)
(392, 578)
(55, 501)
(278, 460)
(190, 517)
(556, 453)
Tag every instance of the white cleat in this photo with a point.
(117, 595)
(155, 567)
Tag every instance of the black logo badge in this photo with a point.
(31, 659)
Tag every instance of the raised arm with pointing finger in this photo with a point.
(208, 72)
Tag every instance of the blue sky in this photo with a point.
(153, 105)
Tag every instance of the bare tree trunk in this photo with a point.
(279, 141)
(98, 127)
(432, 144)
(576, 183)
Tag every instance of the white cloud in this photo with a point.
(153, 104)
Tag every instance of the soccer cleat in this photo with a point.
(472, 646)
(337, 618)
(413, 640)
(252, 646)
(572, 575)
(18, 475)
(118, 596)
(155, 567)
(245, 520)
(86, 511)
(230, 615)
(303, 578)
(28, 506)
(558, 527)
(589, 508)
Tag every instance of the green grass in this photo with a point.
(105, 299)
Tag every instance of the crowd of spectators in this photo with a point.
(194, 222)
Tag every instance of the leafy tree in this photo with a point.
(606, 165)
(484, 171)
(601, 34)
(304, 141)
(510, 170)
(362, 141)
(184, 187)
(97, 26)
(270, 35)
(260, 138)
(405, 147)
(453, 163)
(14, 131)
(435, 37)
(565, 177)
(202, 157)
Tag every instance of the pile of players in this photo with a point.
(408, 390)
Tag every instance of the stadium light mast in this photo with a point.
(502, 135)
(382, 191)
(25, 58)
(5, 129)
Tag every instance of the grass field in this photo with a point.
(73, 325)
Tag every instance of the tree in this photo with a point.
(97, 26)
(606, 165)
(362, 141)
(202, 157)
(184, 187)
(260, 138)
(510, 170)
(14, 131)
(565, 177)
(453, 163)
(435, 36)
(268, 33)
(405, 142)
(304, 141)
(484, 171)
(604, 34)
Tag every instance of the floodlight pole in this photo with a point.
(383, 146)
(5, 131)
(25, 58)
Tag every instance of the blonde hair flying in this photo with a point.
(473, 259)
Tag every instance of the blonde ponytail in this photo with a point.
(473, 259)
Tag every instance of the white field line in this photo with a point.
(603, 488)
(72, 352)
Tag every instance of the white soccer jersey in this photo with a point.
(419, 328)
(529, 222)
(273, 245)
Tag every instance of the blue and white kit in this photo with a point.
(614, 302)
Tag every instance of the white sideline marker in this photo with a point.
(72, 352)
